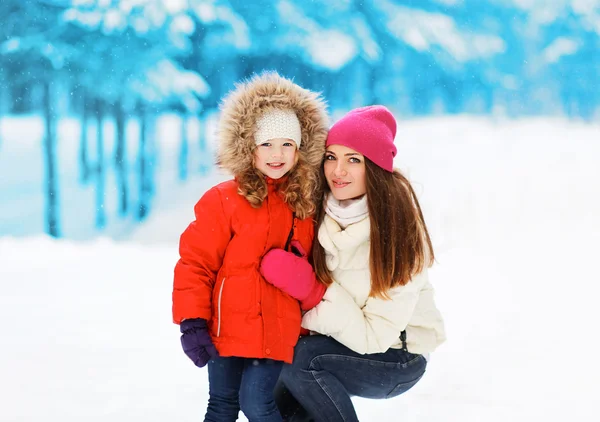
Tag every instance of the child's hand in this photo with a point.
(291, 273)
(196, 341)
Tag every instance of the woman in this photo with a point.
(377, 318)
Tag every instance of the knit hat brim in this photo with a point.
(277, 123)
(369, 130)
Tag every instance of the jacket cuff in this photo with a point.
(314, 297)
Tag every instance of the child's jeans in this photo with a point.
(242, 383)
(325, 374)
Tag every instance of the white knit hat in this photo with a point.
(277, 123)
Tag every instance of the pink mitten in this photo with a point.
(293, 274)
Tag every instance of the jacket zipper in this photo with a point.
(291, 234)
(219, 307)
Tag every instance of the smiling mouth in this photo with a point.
(339, 184)
(276, 166)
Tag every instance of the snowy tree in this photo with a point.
(119, 58)
(568, 59)
(361, 52)
(31, 37)
(127, 61)
(139, 43)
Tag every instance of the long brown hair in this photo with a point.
(400, 242)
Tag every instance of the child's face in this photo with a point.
(345, 171)
(275, 157)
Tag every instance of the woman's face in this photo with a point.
(345, 172)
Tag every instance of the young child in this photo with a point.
(272, 139)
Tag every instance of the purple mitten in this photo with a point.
(196, 341)
(293, 274)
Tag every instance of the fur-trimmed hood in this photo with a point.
(241, 108)
(237, 125)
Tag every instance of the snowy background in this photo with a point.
(107, 115)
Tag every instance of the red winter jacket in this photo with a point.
(217, 277)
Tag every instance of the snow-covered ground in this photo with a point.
(514, 211)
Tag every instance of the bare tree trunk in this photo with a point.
(100, 174)
(52, 212)
(206, 159)
(121, 159)
(84, 163)
(184, 148)
(144, 193)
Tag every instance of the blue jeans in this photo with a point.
(242, 383)
(325, 374)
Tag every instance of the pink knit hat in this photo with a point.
(370, 131)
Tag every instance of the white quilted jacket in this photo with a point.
(366, 324)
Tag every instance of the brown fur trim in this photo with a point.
(237, 126)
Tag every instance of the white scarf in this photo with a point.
(347, 211)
